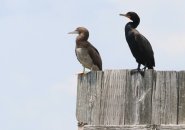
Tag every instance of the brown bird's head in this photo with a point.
(83, 33)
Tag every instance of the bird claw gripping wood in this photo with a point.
(137, 71)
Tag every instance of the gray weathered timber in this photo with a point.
(112, 96)
(88, 97)
(136, 127)
(120, 127)
(171, 127)
(138, 103)
(165, 97)
(181, 100)
(115, 97)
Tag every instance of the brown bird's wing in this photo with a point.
(95, 55)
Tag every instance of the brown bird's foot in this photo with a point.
(81, 124)
(137, 71)
(81, 74)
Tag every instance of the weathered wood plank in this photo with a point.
(113, 97)
(88, 97)
(181, 105)
(145, 98)
(171, 127)
(131, 104)
(165, 97)
(120, 127)
(136, 127)
(138, 98)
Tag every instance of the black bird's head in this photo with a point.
(83, 33)
(132, 16)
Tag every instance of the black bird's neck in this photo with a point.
(131, 25)
(134, 24)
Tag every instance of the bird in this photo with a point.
(140, 47)
(85, 52)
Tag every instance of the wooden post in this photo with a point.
(117, 100)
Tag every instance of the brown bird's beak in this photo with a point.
(74, 32)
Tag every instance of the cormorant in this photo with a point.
(86, 53)
(139, 45)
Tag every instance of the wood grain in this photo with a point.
(115, 97)
(136, 127)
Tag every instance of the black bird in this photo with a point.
(139, 45)
(86, 53)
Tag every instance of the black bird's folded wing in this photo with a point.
(145, 49)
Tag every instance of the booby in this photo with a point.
(86, 53)
(139, 45)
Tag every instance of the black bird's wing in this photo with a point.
(94, 54)
(145, 49)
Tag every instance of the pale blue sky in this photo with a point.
(38, 65)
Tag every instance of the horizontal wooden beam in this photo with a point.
(137, 127)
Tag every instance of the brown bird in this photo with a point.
(86, 53)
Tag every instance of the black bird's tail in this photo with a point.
(150, 67)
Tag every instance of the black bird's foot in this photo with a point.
(142, 72)
(81, 124)
(144, 68)
(137, 70)
(133, 71)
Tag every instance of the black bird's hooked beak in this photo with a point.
(122, 15)
(74, 32)
(125, 15)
